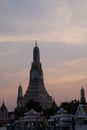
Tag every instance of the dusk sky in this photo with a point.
(60, 28)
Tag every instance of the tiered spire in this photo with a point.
(20, 101)
(36, 90)
(83, 100)
(36, 55)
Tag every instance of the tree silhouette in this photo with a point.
(34, 105)
(71, 107)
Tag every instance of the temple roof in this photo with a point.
(85, 109)
(3, 107)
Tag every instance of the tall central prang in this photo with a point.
(36, 90)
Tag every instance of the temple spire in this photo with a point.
(20, 100)
(83, 100)
(36, 90)
(36, 55)
(35, 42)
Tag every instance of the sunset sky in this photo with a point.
(60, 28)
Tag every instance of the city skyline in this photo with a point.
(60, 29)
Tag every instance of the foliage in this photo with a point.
(71, 107)
(19, 112)
(50, 111)
(34, 105)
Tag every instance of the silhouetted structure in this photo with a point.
(83, 100)
(36, 90)
(3, 115)
(20, 100)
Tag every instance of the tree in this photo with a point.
(71, 107)
(34, 105)
(19, 113)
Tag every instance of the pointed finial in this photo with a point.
(35, 42)
(3, 100)
(19, 84)
(82, 82)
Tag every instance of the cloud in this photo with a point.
(70, 71)
(74, 35)
(16, 38)
(68, 78)
(30, 20)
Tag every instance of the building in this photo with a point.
(30, 118)
(36, 90)
(3, 115)
(83, 99)
(81, 113)
(20, 99)
(61, 119)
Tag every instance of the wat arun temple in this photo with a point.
(36, 90)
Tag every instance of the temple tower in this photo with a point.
(20, 100)
(83, 100)
(3, 112)
(36, 90)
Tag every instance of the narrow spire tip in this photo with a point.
(35, 42)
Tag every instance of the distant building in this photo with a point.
(36, 90)
(83, 99)
(30, 118)
(60, 119)
(81, 113)
(20, 99)
(3, 115)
